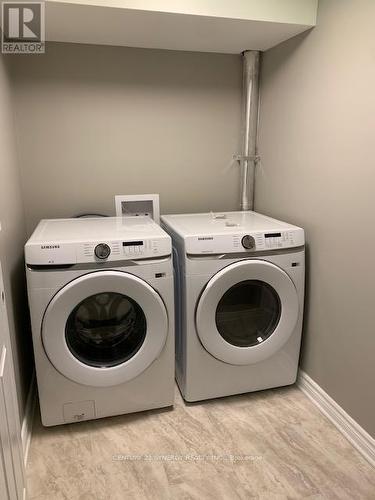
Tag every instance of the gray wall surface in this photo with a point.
(98, 121)
(12, 240)
(317, 138)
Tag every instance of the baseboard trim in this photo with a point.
(353, 432)
(27, 424)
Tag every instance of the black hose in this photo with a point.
(78, 216)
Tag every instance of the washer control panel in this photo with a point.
(104, 251)
(98, 241)
(139, 248)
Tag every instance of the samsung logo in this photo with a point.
(203, 238)
(49, 247)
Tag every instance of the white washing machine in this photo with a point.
(102, 310)
(239, 302)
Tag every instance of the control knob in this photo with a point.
(248, 242)
(102, 251)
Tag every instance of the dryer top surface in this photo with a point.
(223, 223)
(233, 232)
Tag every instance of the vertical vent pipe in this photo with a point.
(250, 105)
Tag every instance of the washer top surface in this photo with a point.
(94, 240)
(231, 232)
(93, 229)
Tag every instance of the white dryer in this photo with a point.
(239, 302)
(102, 310)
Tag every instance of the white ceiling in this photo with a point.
(205, 25)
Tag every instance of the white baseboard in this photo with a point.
(357, 436)
(27, 424)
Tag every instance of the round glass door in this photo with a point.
(247, 312)
(105, 329)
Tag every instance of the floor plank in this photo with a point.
(271, 445)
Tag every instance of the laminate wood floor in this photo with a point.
(270, 445)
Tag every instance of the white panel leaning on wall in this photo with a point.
(12, 471)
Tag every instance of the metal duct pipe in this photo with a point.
(250, 99)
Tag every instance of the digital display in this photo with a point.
(132, 243)
(273, 235)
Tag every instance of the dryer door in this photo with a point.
(104, 328)
(247, 312)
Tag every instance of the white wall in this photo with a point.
(317, 138)
(95, 121)
(12, 240)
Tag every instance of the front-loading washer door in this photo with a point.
(104, 328)
(247, 312)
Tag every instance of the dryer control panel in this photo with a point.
(244, 242)
(232, 232)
